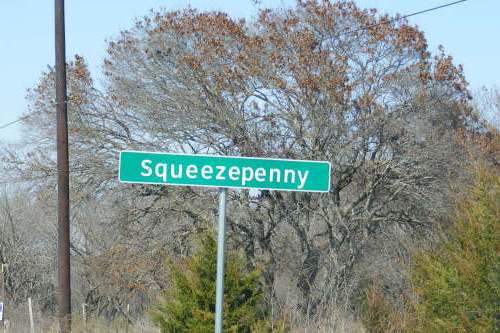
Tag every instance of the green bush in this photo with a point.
(189, 305)
(458, 284)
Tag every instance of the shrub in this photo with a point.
(189, 305)
(458, 283)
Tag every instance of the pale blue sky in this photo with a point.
(469, 31)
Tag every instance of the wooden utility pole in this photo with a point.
(64, 292)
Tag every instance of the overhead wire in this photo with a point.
(25, 117)
(399, 18)
(346, 33)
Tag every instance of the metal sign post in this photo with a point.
(2, 296)
(219, 293)
(223, 172)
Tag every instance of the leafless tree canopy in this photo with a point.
(319, 81)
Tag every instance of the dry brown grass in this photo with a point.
(289, 320)
(18, 322)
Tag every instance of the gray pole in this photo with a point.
(2, 295)
(30, 311)
(219, 297)
(64, 290)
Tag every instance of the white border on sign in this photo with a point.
(238, 187)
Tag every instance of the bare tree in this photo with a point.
(324, 81)
(26, 247)
(487, 105)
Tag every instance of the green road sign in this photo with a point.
(224, 171)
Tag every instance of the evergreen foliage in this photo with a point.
(458, 284)
(189, 305)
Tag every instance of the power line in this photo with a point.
(14, 122)
(434, 8)
(347, 33)
(406, 16)
(23, 118)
